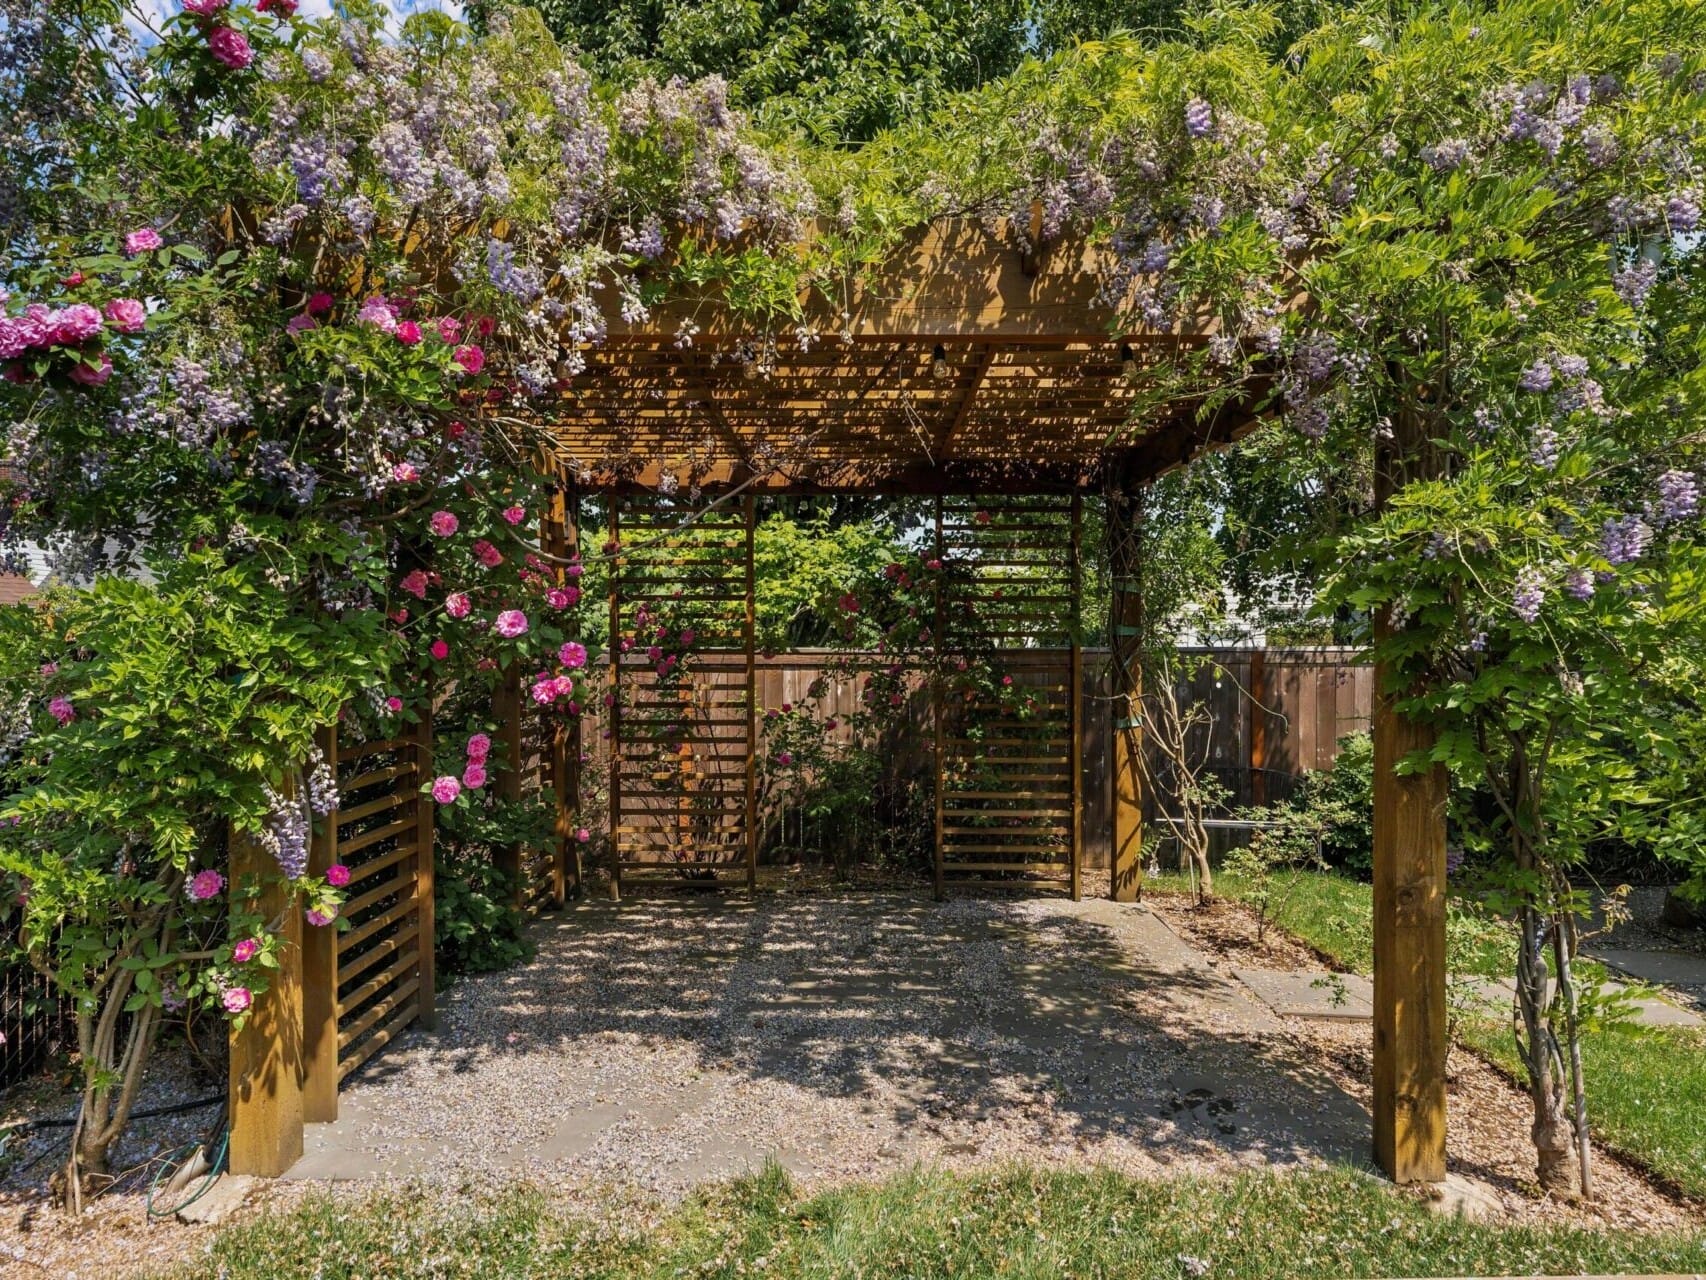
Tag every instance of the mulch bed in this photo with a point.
(1489, 1113)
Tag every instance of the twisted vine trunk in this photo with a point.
(1544, 912)
(112, 1065)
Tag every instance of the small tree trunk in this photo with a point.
(1564, 951)
(1539, 1049)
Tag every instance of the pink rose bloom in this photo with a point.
(557, 598)
(457, 604)
(474, 776)
(320, 917)
(206, 884)
(415, 583)
(49, 670)
(379, 313)
(572, 655)
(283, 8)
(511, 623)
(687, 636)
(515, 515)
(564, 685)
(60, 709)
(301, 323)
(145, 240)
(393, 704)
(487, 554)
(230, 48)
(245, 951)
(405, 473)
(237, 999)
(471, 358)
(449, 328)
(127, 315)
(479, 747)
(544, 691)
(203, 8)
(76, 323)
(445, 789)
(439, 650)
(408, 333)
(92, 375)
(444, 523)
(337, 875)
(575, 570)
(582, 834)
(319, 304)
(785, 758)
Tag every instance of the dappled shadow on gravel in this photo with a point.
(672, 1039)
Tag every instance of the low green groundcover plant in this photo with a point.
(1018, 1222)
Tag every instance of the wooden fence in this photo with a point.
(32, 1015)
(1274, 714)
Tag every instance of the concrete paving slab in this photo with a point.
(1649, 1011)
(1684, 969)
(1309, 994)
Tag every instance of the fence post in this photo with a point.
(750, 639)
(265, 1084)
(1258, 698)
(1126, 709)
(554, 538)
(320, 971)
(506, 707)
(614, 719)
(425, 881)
(1075, 693)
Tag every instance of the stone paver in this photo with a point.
(1345, 996)
(1683, 971)
(1649, 1011)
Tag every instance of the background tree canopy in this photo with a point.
(848, 69)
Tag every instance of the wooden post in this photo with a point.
(554, 540)
(936, 709)
(506, 707)
(614, 719)
(266, 1105)
(1258, 727)
(575, 748)
(751, 641)
(426, 905)
(320, 972)
(1075, 694)
(1409, 893)
(1126, 708)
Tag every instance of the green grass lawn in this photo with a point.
(1015, 1223)
(1646, 1087)
(1334, 915)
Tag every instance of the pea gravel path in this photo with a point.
(662, 1042)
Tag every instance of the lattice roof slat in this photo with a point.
(1035, 393)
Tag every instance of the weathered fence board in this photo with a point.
(1270, 725)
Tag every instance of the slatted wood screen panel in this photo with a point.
(1009, 780)
(384, 973)
(681, 782)
(539, 868)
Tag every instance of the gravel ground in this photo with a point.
(663, 1042)
(667, 1041)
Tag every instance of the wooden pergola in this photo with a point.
(964, 367)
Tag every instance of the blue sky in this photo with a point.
(162, 9)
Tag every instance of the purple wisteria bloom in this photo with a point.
(1530, 594)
